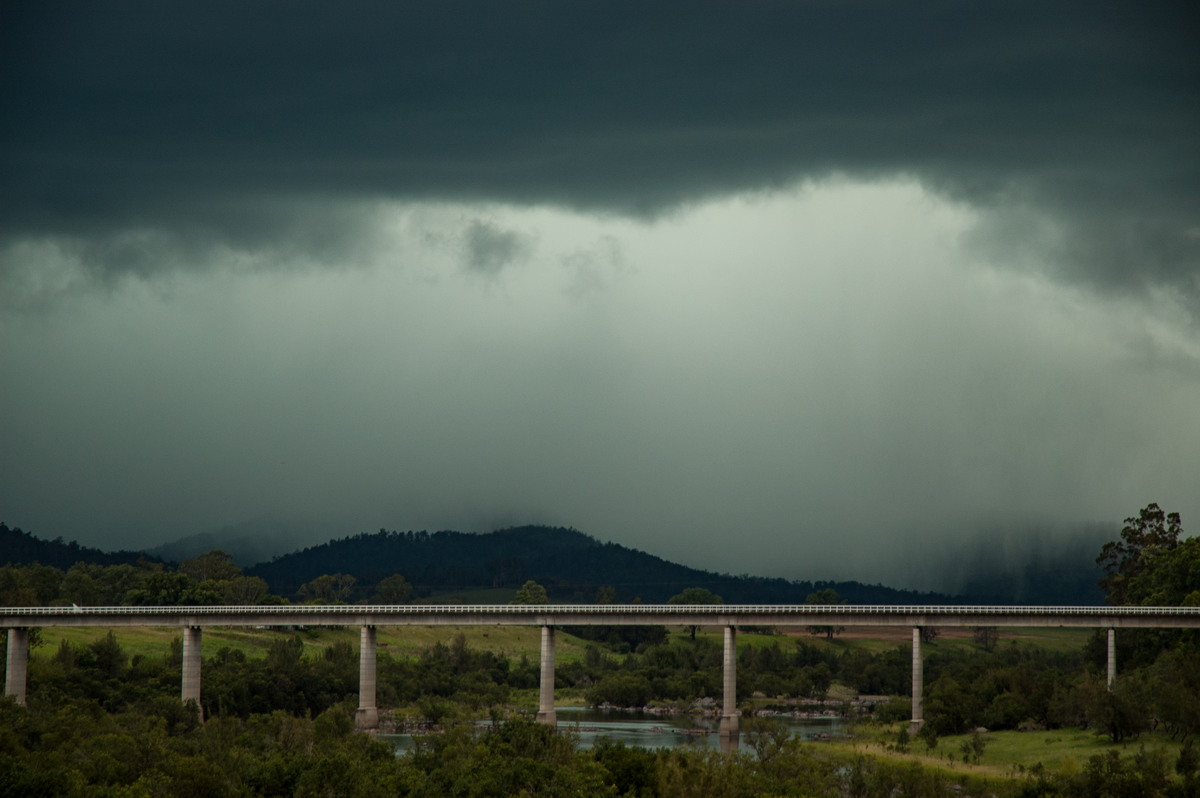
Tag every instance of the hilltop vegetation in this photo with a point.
(571, 565)
(21, 548)
(208, 579)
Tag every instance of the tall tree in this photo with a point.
(216, 566)
(328, 588)
(245, 590)
(827, 596)
(1143, 539)
(394, 589)
(1172, 578)
(695, 595)
(985, 636)
(531, 593)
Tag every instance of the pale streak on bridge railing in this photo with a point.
(606, 614)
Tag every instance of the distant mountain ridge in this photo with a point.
(18, 547)
(571, 566)
(248, 542)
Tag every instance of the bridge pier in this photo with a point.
(16, 666)
(729, 712)
(191, 667)
(918, 683)
(546, 712)
(367, 716)
(1112, 657)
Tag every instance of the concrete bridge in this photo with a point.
(18, 621)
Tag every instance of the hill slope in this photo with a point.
(248, 542)
(18, 547)
(570, 564)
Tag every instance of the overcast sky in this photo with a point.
(802, 289)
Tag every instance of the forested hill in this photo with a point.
(21, 548)
(572, 566)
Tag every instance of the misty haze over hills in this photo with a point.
(251, 541)
(1032, 566)
(1028, 567)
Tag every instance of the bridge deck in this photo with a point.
(603, 614)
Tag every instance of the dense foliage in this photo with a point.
(571, 565)
(208, 579)
(1149, 565)
(18, 547)
(81, 751)
(67, 743)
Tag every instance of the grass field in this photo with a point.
(1007, 753)
(399, 641)
(876, 639)
(517, 641)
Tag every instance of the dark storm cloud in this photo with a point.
(489, 249)
(1081, 120)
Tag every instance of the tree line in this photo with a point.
(80, 751)
(100, 722)
(21, 547)
(571, 566)
(210, 578)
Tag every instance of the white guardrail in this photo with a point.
(599, 609)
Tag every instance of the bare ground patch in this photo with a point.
(893, 634)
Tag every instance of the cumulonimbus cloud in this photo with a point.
(489, 249)
(208, 120)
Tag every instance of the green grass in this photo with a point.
(1007, 753)
(870, 645)
(512, 642)
(1051, 638)
(1046, 638)
(506, 641)
(398, 641)
(156, 641)
(682, 636)
(1058, 750)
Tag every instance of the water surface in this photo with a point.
(645, 730)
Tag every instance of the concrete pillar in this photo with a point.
(367, 717)
(191, 666)
(16, 668)
(729, 710)
(1112, 657)
(546, 712)
(918, 683)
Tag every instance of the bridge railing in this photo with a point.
(664, 610)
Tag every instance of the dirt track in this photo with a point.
(896, 634)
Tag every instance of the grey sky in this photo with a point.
(753, 286)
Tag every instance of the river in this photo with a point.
(647, 730)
